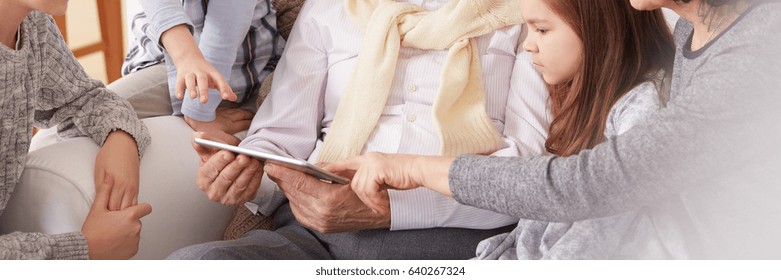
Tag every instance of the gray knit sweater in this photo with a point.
(43, 84)
(709, 161)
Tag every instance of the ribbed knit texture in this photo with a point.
(42, 83)
(287, 11)
(243, 221)
(459, 109)
(36, 246)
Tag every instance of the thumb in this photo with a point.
(139, 211)
(203, 152)
(284, 177)
(345, 166)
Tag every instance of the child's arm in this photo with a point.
(225, 29)
(171, 28)
(84, 107)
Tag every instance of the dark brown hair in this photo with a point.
(622, 47)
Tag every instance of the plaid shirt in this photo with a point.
(239, 39)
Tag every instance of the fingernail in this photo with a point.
(225, 156)
(268, 168)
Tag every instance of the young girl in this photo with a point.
(41, 83)
(605, 64)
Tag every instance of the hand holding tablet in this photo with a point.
(295, 164)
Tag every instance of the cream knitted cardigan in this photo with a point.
(459, 108)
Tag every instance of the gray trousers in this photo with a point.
(146, 90)
(292, 241)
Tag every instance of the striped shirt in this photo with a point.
(317, 64)
(239, 38)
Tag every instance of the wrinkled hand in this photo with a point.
(117, 161)
(229, 121)
(225, 178)
(375, 173)
(324, 207)
(113, 234)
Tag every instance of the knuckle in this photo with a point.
(225, 177)
(299, 181)
(328, 214)
(232, 200)
(254, 165)
(249, 194)
(201, 185)
(240, 187)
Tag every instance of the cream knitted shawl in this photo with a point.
(459, 108)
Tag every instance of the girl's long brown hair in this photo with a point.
(622, 48)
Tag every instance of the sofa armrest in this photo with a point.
(56, 189)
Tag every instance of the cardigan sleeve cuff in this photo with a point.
(70, 246)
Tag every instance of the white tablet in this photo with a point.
(295, 164)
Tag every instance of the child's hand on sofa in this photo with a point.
(113, 234)
(117, 162)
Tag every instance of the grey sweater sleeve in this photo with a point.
(647, 163)
(21, 246)
(711, 127)
(79, 105)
